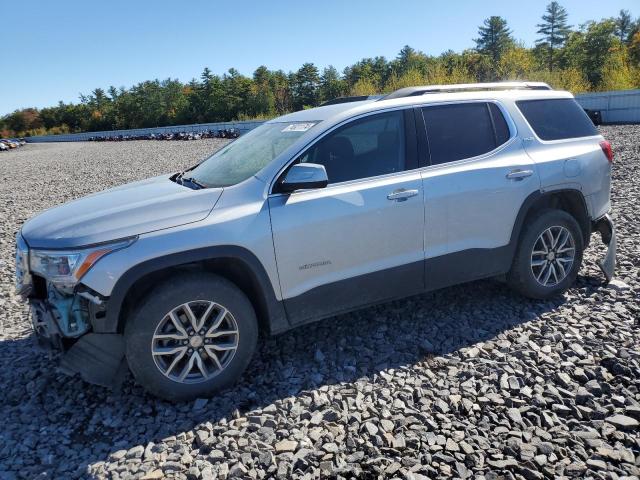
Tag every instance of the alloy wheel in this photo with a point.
(195, 341)
(553, 256)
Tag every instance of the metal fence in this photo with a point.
(242, 127)
(615, 107)
(621, 106)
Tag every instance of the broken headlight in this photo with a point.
(66, 267)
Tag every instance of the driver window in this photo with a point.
(368, 147)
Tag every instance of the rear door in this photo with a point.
(478, 178)
(360, 239)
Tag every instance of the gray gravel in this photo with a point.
(469, 382)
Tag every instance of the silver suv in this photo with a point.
(316, 213)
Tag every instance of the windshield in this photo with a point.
(247, 155)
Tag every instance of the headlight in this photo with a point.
(66, 267)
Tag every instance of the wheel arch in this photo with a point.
(570, 200)
(236, 264)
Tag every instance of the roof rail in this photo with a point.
(357, 98)
(460, 87)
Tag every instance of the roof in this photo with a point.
(343, 110)
(320, 113)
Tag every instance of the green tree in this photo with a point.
(634, 50)
(281, 87)
(331, 85)
(261, 102)
(305, 86)
(554, 30)
(624, 26)
(494, 38)
(593, 48)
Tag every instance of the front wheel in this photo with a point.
(193, 335)
(548, 256)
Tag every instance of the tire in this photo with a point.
(527, 275)
(156, 322)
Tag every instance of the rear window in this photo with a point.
(557, 119)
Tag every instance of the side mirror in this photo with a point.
(304, 175)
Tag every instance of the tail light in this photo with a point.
(608, 151)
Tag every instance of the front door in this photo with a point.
(360, 239)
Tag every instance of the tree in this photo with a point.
(596, 56)
(494, 38)
(331, 86)
(305, 86)
(282, 91)
(363, 87)
(634, 48)
(554, 30)
(590, 49)
(261, 102)
(515, 64)
(624, 25)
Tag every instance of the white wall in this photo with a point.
(621, 106)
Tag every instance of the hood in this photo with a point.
(125, 211)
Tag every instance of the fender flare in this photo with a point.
(276, 316)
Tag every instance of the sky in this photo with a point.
(55, 50)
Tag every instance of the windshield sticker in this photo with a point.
(298, 127)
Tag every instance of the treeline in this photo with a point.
(603, 55)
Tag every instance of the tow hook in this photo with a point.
(608, 233)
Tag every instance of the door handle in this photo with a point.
(402, 194)
(519, 174)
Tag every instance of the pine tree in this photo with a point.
(494, 38)
(554, 30)
(624, 25)
(331, 86)
(305, 86)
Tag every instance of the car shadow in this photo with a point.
(71, 424)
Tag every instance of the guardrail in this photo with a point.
(242, 127)
(621, 106)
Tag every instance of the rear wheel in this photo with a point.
(548, 256)
(191, 336)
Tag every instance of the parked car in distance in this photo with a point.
(313, 214)
(10, 144)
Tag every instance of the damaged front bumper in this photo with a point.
(63, 323)
(607, 231)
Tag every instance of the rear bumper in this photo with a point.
(607, 230)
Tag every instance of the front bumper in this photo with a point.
(97, 357)
(45, 328)
(607, 230)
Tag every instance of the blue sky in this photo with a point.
(55, 50)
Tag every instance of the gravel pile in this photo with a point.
(469, 382)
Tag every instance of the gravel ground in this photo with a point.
(468, 382)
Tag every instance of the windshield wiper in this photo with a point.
(190, 181)
(194, 182)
